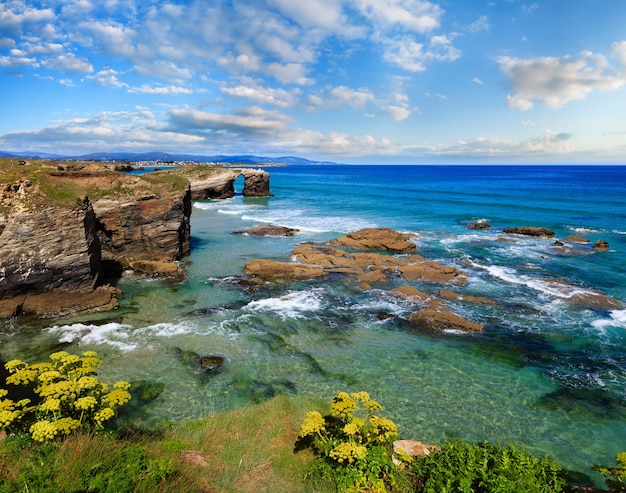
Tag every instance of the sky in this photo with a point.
(349, 81)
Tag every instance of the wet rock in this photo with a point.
(559, 243)
(584, 297)
(479, 225)
(440, 319)
(200, 364)
(267, 230)
(530, 231)
(211, 364)
(377, 239)
(577, 239)
(451, 295)
(432, 271)
(601, 246)
(286, 271)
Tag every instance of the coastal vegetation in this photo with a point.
(63, 438)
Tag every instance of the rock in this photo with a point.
(256, 183)
(414, 448)
(440, 319)
(479, 225)
(451, 295)
(576, 239)
(274, 270)
(601, 246)
(267, 230)
(559, 243)
(377, 239)
(583, 297)
(410, 292)
(211, 364)
(530, 231)
(432, 271)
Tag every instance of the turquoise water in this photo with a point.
(544, 374)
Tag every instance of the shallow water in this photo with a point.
(545, 374)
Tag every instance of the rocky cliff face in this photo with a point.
(67, 228)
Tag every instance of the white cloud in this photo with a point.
(69, 63)
(399, 113)
(163, 69)
(358, 98)
(108, 77)
(414, 15)
(413, 56)
(476, 80)
(240, 63)
(290, 73)
(480, 24)
(150, 89)
(557, 81)
(253, 91)
(249, 121)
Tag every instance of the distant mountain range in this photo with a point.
(165, 157)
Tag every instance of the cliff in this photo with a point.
(69, 229)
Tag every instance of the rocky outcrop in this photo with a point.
(377, 239)
(219, 183)
(64, 225)
(531, 231)
(601, 246)
(267, 230)
(442, 319)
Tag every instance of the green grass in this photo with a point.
(246, 450)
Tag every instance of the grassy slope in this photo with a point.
(245, 450)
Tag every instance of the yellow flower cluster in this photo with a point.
(351, 429)
(348, 452)
(103, 415)
(117, 397)
(85, 403)
(43, 430)
(342, 405)
(71, 395)
(383, 427)
(313, 423)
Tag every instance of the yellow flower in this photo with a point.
(43, 430)
(67, 425)
(87, 382)
(14, 365)
(351, 429)
(361, 396)
(22, 377)
(85, 403)
(58, 356)
(371, 405)
(103, 415)
(383, 427)
(7, 417)
(122, 385)
(342, 405)
(116, 397)
(90, 354)
(3, 392)
(48, 376)
(50, 405)
(313, 423)
(348, 452)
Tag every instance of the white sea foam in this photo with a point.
(619, 232)
(308, 223)
(618, 319)
(584, 231)
(296, 304)
(113, 334)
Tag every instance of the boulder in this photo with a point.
(432, 271)
(601, 246)
(583, 297)
(377, 239)
(267, 230)
(440, 319)
(530, 231)
(274, 270)
(577, 239)
(479, 225)
(256, 183)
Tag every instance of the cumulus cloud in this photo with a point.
(69, 63)
(413, 56)
(557, 81)
(254, 91)
(414, 15)
(150, 89)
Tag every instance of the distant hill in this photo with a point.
(167, 157)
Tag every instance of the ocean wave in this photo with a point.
(618, 319)
(112, 334)
(296, 304)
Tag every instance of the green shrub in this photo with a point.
(67, 396)
(615, 477)
(352, 445)
(485, 468)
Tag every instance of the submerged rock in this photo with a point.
(577, 239)
(268, 230)
(200, 364)
(530, 231)
(440, 319)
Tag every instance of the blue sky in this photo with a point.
(351, 81)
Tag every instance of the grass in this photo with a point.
(245, 450)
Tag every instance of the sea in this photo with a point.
(546, 373)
